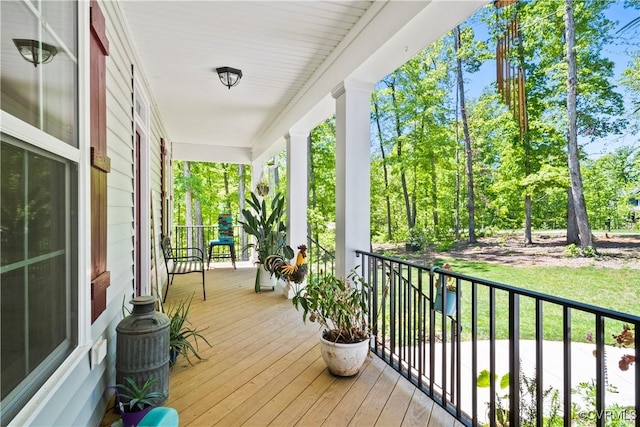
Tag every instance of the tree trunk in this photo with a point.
(403, 177)
(199, 230)
(225, 177)
(188, 215)
(586, 239)
(527, 220)
(456, 202)
(385, 171)
(572, 225)
(241, 206)
(467, 143)
(434, 193)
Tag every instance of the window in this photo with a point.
(39, 193)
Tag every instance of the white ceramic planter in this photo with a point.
(344, 360)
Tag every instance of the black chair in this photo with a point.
(182, 261)
(224, 241)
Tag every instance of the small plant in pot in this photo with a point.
(339, 306)
(183, 337)
(135, 400)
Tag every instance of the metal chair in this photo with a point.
(182, 261)
(224, 241)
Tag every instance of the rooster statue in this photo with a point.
(276, 264)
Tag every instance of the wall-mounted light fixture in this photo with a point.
(229, 76)
(35, 51)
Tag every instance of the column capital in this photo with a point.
(352, 85)
(297, 133)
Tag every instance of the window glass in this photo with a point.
(37, 269)
(43, 95)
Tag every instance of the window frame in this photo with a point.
(80, 157)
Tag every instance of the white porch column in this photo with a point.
(297, 194)
(256, 171)
(353, 107)
(297, 188)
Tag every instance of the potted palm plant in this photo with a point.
(183, 337)
(265, 222)
(340, 307)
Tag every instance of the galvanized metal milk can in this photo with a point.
(142, 346)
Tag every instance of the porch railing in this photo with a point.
(319, 259)
(495, 329)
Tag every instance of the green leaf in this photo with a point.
(504, 381)
(484, 379)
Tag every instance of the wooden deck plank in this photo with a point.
(376, 399)
(397, 405)
(419, 411)
(264, 366)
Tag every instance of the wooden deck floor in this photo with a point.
(264, 366)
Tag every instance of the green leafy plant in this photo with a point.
(338, 305)
(134, 397)
(528, 400)
(571, 251)
(181, 333)
(266, 223)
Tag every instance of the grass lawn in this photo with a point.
(615, 289)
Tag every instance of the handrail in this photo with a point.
(443, 354)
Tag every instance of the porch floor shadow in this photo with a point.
(264, 366)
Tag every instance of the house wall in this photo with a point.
(77, 394)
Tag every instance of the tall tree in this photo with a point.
(577, 193)
(467, 141)
(376, 118)
(408, 198)
(187, 201)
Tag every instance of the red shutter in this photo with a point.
(100, 163)
(163, 188)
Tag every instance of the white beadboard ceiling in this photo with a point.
(291, 53)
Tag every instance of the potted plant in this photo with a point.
(450, 289)
(135, 400)
(265, 222)
(339, 306)
(181, 333)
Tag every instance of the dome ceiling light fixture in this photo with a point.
(35, 51)
(229, 76)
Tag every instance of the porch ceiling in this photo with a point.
(292, 54)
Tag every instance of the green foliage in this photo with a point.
(583, 408)
(572, 251)
(266, 223)
(134, 397)
(181, 333)
(337, 305)
(528, 400)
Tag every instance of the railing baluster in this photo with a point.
(474, 352)
(457, 347)
(443, 322)
(539, 363)
(421, 332)
(432, 334)
(492, 355)
(566, 341)
(636, 413)
(600, 372)
(514, 357)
